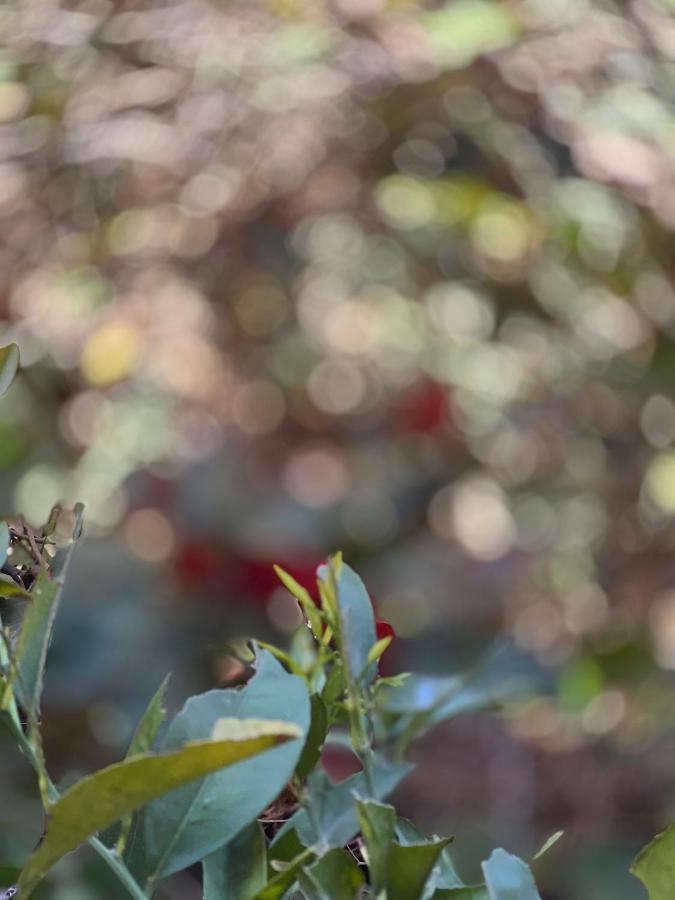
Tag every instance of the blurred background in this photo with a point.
(394, 277)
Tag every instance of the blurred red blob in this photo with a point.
(219, 572)
(422, 407)
(384, 629)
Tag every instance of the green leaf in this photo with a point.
(334, 821)
(303, 649)
(101, 799)
(277, 886)
(10, 591)
(152, 718)
(334, 689)
(356, 621)
(424, 701)
(378, 648)
(548, 843)
(508, 878)
(316, 737)
(655, 865)
(411, 869)
(191, 823)
(9, 365)
(312, 613)
(239, 869)
(4, 542)
(377, 822)
(407, 833)
(283, 658)
(36, 627)
(142, 741)
(335, 876)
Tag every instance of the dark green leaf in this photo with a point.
(333, 806)
(335, 876)
(189, 824)
(509, 878)
(411, 870)
(655, 865)
(316, 736)
(239, 869)
(334, 689)
(101, 799)
(9, 364)
(277, 886)
(377, 822)
(407, 833)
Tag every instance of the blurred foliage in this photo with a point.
(395, 276)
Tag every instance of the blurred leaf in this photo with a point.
(578, 683)
(283, 657)
(239, 869)
(464, 29)
(316, 737)
(508, 878)
(101, 799)
(411, 870)
(655, 865)
(377, 822)
(193, 822)
(10, 590)
(9, 365)
(548, 843)
(356, 621)
(333, 806)
(4, 542)
(37, 624)
(142, 741)
(423, 701)
(335, 876)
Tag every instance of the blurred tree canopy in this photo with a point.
(292, 275)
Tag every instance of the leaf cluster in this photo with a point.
(235, 782)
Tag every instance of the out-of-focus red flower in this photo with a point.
(222, 573)
(257, 577)
(199, 565)
(384, 629)
(423, 406)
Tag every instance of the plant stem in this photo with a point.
(116, 863)
(112, 860)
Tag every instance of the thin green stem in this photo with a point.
(116, 863)
(112, 860)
